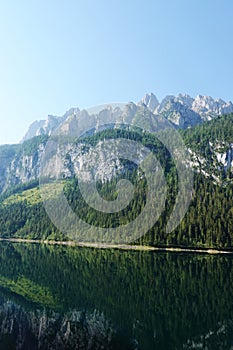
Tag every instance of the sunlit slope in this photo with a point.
(208, 222)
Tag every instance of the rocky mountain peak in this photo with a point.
(181, 110)
(208, 107)
(150, 101)
(185, 99)
(165, 100)
(46, 126)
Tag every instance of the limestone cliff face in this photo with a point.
(182, 110)
(19, 166)
(185, 111)
(218, 162)
(180, 114)
(99, 162)
(47, 126)
(225, 158)
(21, 163)
(151, 101)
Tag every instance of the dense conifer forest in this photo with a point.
(208, 222)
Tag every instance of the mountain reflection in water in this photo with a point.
(54, 297)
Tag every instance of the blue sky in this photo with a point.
(59, 54)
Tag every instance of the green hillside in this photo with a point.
(208, 222)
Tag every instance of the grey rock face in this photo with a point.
(225, 158)
(182, 110)
(150, 101)
(185, 111)
(45, 127)
(18, 166)
(207, 107)
(180, 114)
(218, 162)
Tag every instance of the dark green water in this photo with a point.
(54, 297)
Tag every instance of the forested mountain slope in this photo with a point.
(207, 223)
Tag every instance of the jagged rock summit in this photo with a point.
(46, 127)
(185, 111)
(150, 101)
(21, 163)
(182, 111)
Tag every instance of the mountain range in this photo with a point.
(182, 111)
(21, 163)
(204, 124)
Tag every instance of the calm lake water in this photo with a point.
(54, 297)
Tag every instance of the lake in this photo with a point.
(59, 297)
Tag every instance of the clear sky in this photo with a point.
(57, 54)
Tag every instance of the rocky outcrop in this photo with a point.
(207, 107)
(225, 158)
(180, 114)
(21, 164)
(218, 162)
(150, 101)
(185, 111)
(182, 110)
(47, 126)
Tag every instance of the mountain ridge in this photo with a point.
(210, 151)
(183, 111)
(208, 223)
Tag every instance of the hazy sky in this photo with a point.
(59, 54)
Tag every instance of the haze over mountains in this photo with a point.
(182, 111)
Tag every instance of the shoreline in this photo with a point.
(119, 246)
